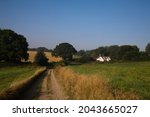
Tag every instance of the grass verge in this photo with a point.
(15, 79)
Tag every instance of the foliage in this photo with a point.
(128, 52)
(98, 51)
(81, 53)
(40, 59)
(84, 57)
(144, 56)
(113, 51)
(64, 50)
(13, 46)
(147, 49)
(124, 52)
(42, 49)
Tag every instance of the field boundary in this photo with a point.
(14, 91)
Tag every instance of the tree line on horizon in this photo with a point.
(117, 53)
(14, 47)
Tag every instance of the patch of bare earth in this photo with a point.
(46, 87)
(51, 89)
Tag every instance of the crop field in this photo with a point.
(48, 55)
(12, 75)
(130, 78)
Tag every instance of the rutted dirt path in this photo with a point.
(51, 89)
(45, 88)
(56, 91)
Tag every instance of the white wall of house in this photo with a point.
(103, 59)
(100, 59)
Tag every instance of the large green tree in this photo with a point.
(128, 52)
(13, 46)
(64, 50)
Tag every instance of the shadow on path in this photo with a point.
(32, 92)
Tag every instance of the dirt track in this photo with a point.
(45, 88)
(51, 89)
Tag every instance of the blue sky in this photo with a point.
(86, 24)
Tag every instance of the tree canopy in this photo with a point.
(40, 58)
(13, 46)
(113, 51)
(64, 50)
(124, 52)
(128, 52)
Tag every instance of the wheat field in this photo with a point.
(48, 55)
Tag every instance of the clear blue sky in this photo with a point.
(87, 24)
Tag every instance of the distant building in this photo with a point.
(103, 58)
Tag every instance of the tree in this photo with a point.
(102, 51)
(113, 51)
(144, 56)
(13, 47)
(98, 51)
(81, 53)
(147, 49)
(128, 52)
(64, 50)
(40, 58)
(42, 49)
(84, 56)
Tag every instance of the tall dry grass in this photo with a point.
(82, 86)
(48, 55)
(88, 87)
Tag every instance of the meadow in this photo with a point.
(14, 74)
(94, 81)
(123, 78)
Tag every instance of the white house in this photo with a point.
(103, 58)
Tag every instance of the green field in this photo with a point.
(10, 75)
(129, 76)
